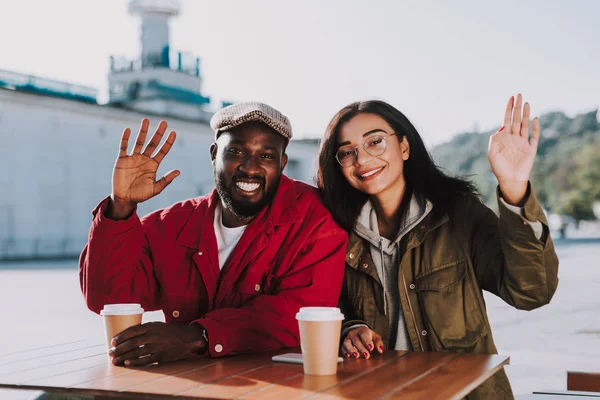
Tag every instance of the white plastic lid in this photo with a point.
(122, 309)
(320, 314)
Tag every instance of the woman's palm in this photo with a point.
(511, 152)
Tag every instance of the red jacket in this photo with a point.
(290, 256)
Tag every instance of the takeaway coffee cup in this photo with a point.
(320, 339)
(118, 317)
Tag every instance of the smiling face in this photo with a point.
(248, 162)
(374, 175)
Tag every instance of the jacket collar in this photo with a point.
(366, 225)
(282, 210)
(358, 245)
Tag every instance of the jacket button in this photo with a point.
(412, 286)
(200, 253)
(424, 332)
(351, 256)
(365, 265)
(218, 348)
(176, 314)
(257, 288)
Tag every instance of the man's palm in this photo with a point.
(134, 175)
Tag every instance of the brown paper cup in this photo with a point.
(320, 329)
(118, 317)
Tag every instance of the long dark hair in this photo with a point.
(422, 176)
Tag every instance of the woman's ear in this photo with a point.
(405, 148)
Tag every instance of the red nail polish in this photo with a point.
(381, 348)
(366, 354)
(355, 354)
(501, 129)
(370, 347)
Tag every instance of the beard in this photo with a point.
(244, 209)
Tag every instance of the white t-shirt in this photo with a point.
(227, 238)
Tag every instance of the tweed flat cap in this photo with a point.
(240, 113)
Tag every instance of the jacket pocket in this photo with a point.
(255, 284)
(450, 306)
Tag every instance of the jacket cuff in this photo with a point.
(218, 343)
(532, 210)
(100, 221)
(537, 226)
(516, 225)
(352, 323)
(205, 352)
(348, 328)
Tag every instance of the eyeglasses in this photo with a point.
(374, 145)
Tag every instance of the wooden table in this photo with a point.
(583, 381)
(561, 395)
(82, 368)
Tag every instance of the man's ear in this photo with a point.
(213, 152)
(284, 160)
(405, 146)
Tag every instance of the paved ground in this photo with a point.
(564, 335)
(40, 307)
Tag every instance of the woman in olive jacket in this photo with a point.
(422, 246)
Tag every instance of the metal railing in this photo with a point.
(30, 83)
(177, 61)
(40, 248)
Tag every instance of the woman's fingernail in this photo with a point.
(380, 348)
(355, 354)
(346, 355)
(501, 129)
(370, 347)
(127, 362)
(366, 354)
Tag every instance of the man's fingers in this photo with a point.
(132, 354)
(126, 347)
(140, 362)
(163, 182)
(156, 138)
(164, 149)
(128, 334)
(141, 137)
(124, 142)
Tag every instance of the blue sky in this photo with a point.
(447, 65)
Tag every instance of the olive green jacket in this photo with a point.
(445, 263)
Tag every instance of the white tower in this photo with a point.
(160, 82)
(155, 27)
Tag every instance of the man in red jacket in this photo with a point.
(230, 269)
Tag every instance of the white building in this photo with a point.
(58, 146)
